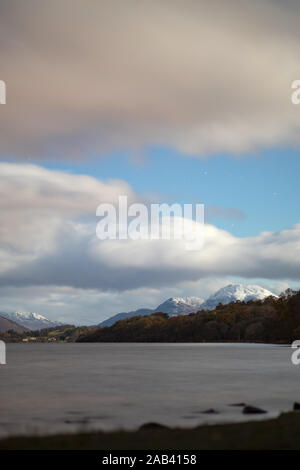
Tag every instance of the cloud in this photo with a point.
(52, 262)
(201, 77)
(48, 237)
(35, 203)
(91, 306)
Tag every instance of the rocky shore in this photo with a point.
(280, 433)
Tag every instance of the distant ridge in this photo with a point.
(120, 316)
(180, 305)
(254, 321)
(30, 320)
(6, 325)
(172, 306)
(185, 305)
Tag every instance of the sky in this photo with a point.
(163, 101)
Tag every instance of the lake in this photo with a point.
(48, 388)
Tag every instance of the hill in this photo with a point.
(271, 320)
(7, 325)
(32, 321)
(186, 305)
(172, 306)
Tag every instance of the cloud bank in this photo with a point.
(52, 262)
(48, 237)
(93, 77)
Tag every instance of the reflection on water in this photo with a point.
(47, 388)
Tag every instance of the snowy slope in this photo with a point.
(33, 321)
(180, 305)
(234, 292)
(172, 306)
(185, 305)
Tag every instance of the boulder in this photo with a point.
(252, 410)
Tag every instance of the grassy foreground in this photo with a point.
(279, 433)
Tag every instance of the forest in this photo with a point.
(272, 320)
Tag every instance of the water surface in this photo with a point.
(47, 388)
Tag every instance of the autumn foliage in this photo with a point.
(273, 320)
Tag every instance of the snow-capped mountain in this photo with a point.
(234, 292)
(180, 305)
(30, 320)
(172, 306)
(185, 305)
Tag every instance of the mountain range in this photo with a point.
(184, 305)
(172, 306)
(23, 321)
(29, 320)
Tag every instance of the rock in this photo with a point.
(152, 426)
(210, 411)
(77, 421)
(238, 404)
(296, 406)
(252, 410)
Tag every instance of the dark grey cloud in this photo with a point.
(201, 77)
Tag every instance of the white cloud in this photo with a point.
(55, 240)
(48, 245)
(91, 306)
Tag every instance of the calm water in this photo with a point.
(47, 388)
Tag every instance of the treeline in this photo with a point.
(62, 333)
(270, 320)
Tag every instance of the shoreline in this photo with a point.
(282, 432)
(270, 343)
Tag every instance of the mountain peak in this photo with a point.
(31, 315)
(185, 305)
(171, 306)
(179, 305)
(30, 320)
(234, 292)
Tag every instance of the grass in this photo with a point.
(279, 433)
